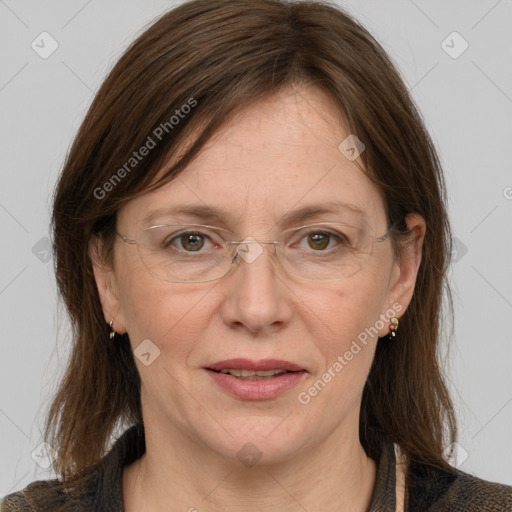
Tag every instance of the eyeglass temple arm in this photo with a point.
(125, 239)
(386, 234)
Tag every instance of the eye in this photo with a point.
(322, 240)
(192, 241)
(188, 241)
(318, 241)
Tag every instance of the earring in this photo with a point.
(113, 333)
(393, 327)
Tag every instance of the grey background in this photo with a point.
(467, 105)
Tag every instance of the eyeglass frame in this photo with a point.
(235, 259)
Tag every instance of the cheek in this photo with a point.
(343, 310)
(343, 322)
(171, 315)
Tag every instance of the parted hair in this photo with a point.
(217, 57)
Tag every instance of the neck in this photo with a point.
(178, 474)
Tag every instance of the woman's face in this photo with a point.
(277, 157)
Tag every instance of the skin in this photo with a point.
(276, 156)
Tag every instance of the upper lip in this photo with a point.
(261, 365)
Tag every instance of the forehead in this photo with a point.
(278, 156)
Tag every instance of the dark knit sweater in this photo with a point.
(427, 489)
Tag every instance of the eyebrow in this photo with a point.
(205, 213)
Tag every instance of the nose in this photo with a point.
(257, 297)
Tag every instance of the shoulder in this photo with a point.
(454, 491)
(16, 502)
(30, 498)
(100, 488)
(47, 495)
(472, 493)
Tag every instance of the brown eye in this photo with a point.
(319, 241)
(192, 241)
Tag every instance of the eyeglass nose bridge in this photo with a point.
(250, 257)
(253, 242)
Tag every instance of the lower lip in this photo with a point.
(264, 389)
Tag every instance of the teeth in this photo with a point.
(253, 375)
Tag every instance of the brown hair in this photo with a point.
(218, 56)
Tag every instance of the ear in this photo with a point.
(107, 286)
(405, 271)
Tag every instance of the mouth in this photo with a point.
(248, 368)
(256, 380)
(252, 375)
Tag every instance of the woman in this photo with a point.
(251, 240)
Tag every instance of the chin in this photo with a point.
(255, 439)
